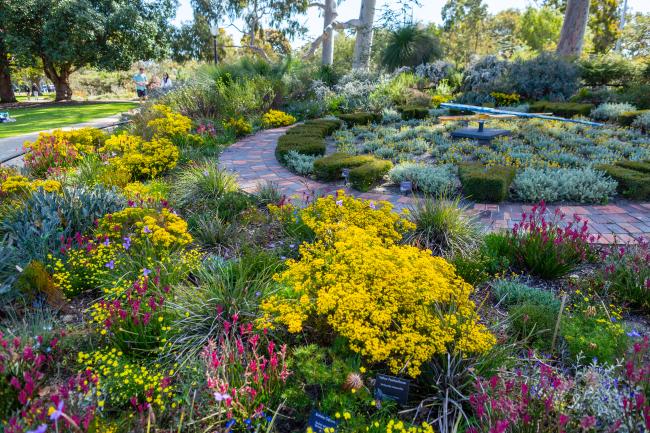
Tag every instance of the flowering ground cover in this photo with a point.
(143, 290)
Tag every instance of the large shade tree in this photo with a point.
(70, 34)
(603, 20)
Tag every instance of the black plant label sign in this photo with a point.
(319, 422)
(392, 388)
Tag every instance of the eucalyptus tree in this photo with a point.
(572, 35)
(255, 18)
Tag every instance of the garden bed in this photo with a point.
(541, 160)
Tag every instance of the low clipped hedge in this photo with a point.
(365, 176)
(563, 109)
(304, 144)
(628, 118)
(331, 167)
(330, 125)
(641, 166)
(632, 183)
(486, 184)
(361, 118)
(307, 138)
(413, 112)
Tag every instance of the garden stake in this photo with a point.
(557, 324)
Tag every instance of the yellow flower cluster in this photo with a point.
(277, 118)
(168, 123)
(20, 184)
(399, 427)
(142, 159)
(331, 213)
(163, 229)
(153, 190)
(239, 126)
(394, 303)
(83, 268)
(121, 380)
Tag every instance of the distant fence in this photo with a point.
(22, 152)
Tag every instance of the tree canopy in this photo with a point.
(69, 34)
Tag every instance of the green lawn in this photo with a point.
(33, 119)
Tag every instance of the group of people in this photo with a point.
(143, 85)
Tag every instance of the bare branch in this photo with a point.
(354, 23)
(317, 5)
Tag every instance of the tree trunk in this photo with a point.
(363, 43)
(6, 89)
(572, 35)
(61, 80)
(329, 15)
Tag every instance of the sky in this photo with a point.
(428, 12)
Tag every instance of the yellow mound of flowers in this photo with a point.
(140, 158)
(394, 303)
(277, 118)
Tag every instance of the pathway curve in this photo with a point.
(253, 159)
(12, 145)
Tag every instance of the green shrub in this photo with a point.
(642, 122)
(627, 118)
(330, 167)
(362, 118)
(606, 70)
(413, 112)
(427, 178)
(564, 109)
(444, 227)
(584, 185)
(299, 163)
(611, 111)
(365, 176)
(535, 322)
(631, 183)
(510, 293)
(594, 336)
(306, 145)
(232, 204)
(488, 184)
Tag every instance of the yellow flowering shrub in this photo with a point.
(277, 118)
(124, 383)
(239, 126)
(394, 303)
(150, 191)
(167, 123)
(331, 213)
(164, 230)
(142, 159)
(17, 184)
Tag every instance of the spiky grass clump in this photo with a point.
(201, 185)
(444, 227)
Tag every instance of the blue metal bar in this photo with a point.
(488, 110)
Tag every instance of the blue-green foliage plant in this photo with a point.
(584, 185)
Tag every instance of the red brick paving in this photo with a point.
(253, 159)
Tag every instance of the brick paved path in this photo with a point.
(253, 159)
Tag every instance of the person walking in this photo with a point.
(140, 80)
